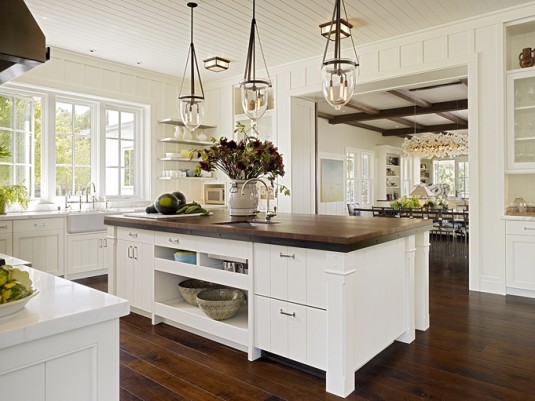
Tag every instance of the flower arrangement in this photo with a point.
(436, 202)
(245, 159)
(10, 194)
(406, 202)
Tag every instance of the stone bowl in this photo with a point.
(190, 288)
(220, 304)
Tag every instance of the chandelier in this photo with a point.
(441, 145)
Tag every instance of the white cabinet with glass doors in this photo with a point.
(521, 120)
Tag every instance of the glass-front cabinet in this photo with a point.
(521, 120)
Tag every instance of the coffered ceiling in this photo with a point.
(154, 34)
(404, 112)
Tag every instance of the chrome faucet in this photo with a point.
(88, 192)
(67, 206)
(269, 213)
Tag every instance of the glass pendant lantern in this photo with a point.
(191, 106)
(339, 75)
(254, 90)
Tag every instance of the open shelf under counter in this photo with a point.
(177, 310)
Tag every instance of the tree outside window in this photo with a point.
(73, 147)
(20, 133)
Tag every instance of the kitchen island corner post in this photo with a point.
(410, 254)
(421, 282)
(340, 374)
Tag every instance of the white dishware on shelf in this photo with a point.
(173, 154)
(201, 136)
(177, 134)
(187, 135)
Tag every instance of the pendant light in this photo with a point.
(192, 105)
(254, 91)
(338, 74)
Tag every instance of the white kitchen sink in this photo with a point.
(86, 222)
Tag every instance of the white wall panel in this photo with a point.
(313, 76)
(93, 76)
(369, 63)
(298, 78)
(127, 84)
(142, 87)
(110, 80)
(389, 59)
(434, 49)
(74, 73)
(411, 54)
(460, 43)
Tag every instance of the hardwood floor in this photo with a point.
(479, 347)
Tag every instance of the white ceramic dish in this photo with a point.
(16, 306)
(173, 155)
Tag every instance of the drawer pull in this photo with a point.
(529, 228)
(39, 224)
(173, 241)
(132, 235)
(130, 249)
(292, 256)
(287, 313)
(4, 226)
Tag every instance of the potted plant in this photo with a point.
(244, 159)
(436, 202)
(10, 194)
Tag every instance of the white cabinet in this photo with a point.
(520, 254)
(521, 120)
(134, 276)
(290, 302)
(41, 242)
(86, 255)
(6, 237)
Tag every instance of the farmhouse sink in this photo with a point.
(86, 222)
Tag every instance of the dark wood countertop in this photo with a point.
(331, 233)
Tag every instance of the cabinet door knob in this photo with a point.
(129, 253)
(292, 256)
(134, 253)
(100, 243)
(174, 241)
(105, 240)
(39, 224)
(287, 313)
(132, 235)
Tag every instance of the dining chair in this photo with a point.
(351, 209)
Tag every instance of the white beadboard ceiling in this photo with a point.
(154, 34)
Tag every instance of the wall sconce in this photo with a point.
(345, 29)
(216, 64)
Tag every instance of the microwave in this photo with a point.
(214, 194)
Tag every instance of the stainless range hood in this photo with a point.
(22, 43)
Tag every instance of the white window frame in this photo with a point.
(140, 180)
(358, 152)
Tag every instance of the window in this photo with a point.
(359, 175)
(455, 173)
(20, 134)
(73, 147)
(121, 127)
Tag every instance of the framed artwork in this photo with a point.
(332, 180)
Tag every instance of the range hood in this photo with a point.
(22, 43)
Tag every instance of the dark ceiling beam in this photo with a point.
(407, 122)
(423, 88)
(325, 116)
(452, 117)
(362, 107)
(453, 105)
(366, 126)
(410, 97)
(429, 128)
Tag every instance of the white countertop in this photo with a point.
(61, 305)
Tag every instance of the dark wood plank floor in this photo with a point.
(479, 347)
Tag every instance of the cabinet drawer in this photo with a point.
(174, 240)
(520, 228)
(136, 235)
(291, 330)
(6, 226)
(38, 224)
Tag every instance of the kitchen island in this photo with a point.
(330, 292)
(63, 345)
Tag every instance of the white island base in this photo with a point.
(63, 346)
